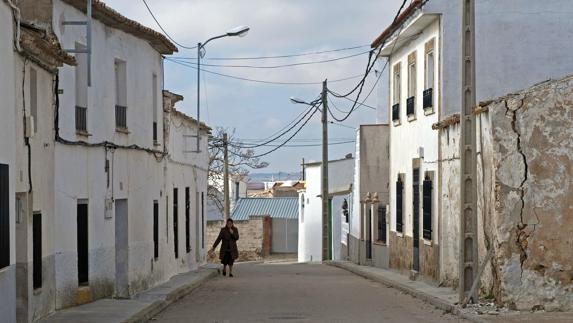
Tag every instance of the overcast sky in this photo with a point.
(278, 27)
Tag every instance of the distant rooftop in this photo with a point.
(275, 207)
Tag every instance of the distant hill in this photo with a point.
(267, 177)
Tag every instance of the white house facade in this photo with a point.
(310, 217)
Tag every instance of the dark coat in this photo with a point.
(229, 242)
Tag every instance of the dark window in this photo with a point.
(187, 220)
(410, 106)
(4, 216)
(382, 223)
(202, 220)
(344, 210)
(37, 250)
(154, 131)
(427, 208)
(369, 234)
(175, 222)
(82, 243)
(120, 117)
(81, 119)
(237, 188)
(155, 229)
(399, 204)
(428, 98)
(396, 112)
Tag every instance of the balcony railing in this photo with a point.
(396, 112)
(428, 98)
(410, 106)
(81, 119)
(120, 117)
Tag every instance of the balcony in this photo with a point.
(396, 112)
(81, 119)
(428, 99)
(121, 117)
(410, 106)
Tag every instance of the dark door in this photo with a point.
(4, 216)
(82, 233)
(121, 249)
(187, 220)
(369, 234)
(155, 229)
(416, 219)
(175, 223)
(37, 250)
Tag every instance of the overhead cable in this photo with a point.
(163, 29)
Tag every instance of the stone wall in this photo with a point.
(528, 190)
(251, 238)
(400, 252)
(429, 255)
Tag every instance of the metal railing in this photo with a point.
(81, 119)
(410, 106)
(396, 112)
(428, 98)
(120, 117)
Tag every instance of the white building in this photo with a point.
(114, 203)
(423, 46)
(310, 215)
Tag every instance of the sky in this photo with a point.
(277, 27)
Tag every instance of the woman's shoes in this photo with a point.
(231, 275)
(224, 273)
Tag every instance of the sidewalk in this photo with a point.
(138, 309)
(446, 298)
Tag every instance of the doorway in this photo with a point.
(416, 219)
(82, 243)
(369, 233)
(121, 249)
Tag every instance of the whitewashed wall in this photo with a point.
(7, 153)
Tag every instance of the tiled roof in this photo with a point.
(275, 207)
(114, 19)
(397, 23)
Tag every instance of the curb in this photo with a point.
(432, 300)
(158, 306)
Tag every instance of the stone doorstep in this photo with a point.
(440, 297)
(142, 307)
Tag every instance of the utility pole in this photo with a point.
(468, 259)
(325, 197)
(303, 175)
(226, 177)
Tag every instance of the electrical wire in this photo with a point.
(276, 66)
(315, 145)
(286, 55)
(164, 31)
(259, 81)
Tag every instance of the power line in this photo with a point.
(314, 145)
(256, 80)
(278, 66)
(287, 55)
(164, 31)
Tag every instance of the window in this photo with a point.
(175, 222)
(302, 208)
(429, 76)
(237, 193)
(396, 93)
(187, 220)
(155, 229)
(202, 220)
(411, 101)
(427, 208)
(37, 250)
(4, 216)
(345, 210)
(34, 97)
(120, 95)
(382, 223)
(155, 110)
(399, 204)
(81, 91)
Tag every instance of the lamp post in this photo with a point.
(240, 31)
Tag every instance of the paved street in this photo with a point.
(288, 292)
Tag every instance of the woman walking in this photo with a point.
(229, 251)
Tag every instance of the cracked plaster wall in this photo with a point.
(528, 137)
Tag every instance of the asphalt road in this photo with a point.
(288, 292)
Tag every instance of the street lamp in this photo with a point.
(240, 31)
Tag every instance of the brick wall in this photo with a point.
(250, 242)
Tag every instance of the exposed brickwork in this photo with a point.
(251, 239)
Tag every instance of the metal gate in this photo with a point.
(284, 236)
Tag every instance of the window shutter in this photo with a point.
(399, 204)
(4, 216)
(427, 208)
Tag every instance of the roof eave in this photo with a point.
(390, 30)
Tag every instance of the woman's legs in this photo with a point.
(224, 269)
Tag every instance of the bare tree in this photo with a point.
(241, 161)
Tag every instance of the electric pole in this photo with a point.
(468, 185)
(226, 177)
(325, 197)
